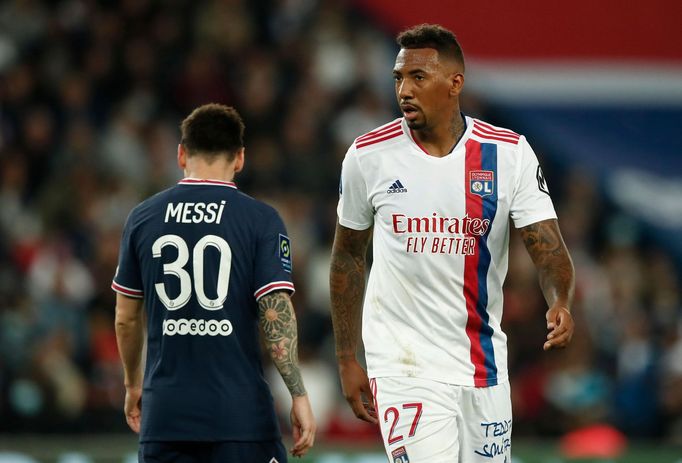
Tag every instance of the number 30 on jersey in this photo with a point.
(177, 268)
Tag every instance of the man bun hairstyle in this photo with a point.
(432, 36)
(213, 129)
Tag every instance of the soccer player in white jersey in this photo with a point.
(436, 190)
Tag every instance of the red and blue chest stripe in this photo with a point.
(480, 157)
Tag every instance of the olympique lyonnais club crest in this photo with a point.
(482, 182)
(399, 455)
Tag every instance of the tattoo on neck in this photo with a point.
(457, 127)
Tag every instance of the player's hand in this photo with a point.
(132, 407)
(560, 325)
(355, 385)
(303, 425)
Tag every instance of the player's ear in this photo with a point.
(182, 157)
(239, 161)
(456, 83)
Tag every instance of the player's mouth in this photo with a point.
(409, 111)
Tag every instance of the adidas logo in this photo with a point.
(397, 187)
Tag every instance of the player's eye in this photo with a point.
(419, 77)
(397, 78)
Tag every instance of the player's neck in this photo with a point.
(440, 140)
(215, 171)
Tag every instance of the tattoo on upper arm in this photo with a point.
(547, 249)
(543, 239)
(347, 285)
(278, 325)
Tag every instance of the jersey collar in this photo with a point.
(206, 181)
(467, 129)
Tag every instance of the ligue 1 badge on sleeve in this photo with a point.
(542, 182)
(285, 252)
(482, 182)
(399, 455)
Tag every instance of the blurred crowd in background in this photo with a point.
(91, 96)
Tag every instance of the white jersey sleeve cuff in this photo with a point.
(353, 225)
(531, 219)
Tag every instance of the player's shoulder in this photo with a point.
(148, 207)
(260, 210)
(485, 132)
(380, 137)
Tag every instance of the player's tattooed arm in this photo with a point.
(547, 249)
(347, 284)
(280, 335)
(557, 277)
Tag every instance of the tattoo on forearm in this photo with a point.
(347, 284)
(555, 269)
(278, 324)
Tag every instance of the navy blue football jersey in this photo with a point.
(201, 254)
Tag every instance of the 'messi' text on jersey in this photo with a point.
(186, 212)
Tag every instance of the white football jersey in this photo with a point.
(433, 304)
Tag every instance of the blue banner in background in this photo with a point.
(634, 153)
(606, 138)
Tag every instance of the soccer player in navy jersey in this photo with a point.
(206, 267)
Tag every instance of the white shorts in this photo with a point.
(424, 421)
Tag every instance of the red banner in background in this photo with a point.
(540, 29)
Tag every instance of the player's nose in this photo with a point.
(405, 91)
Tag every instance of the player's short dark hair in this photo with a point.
(432, 36)
(213, 129)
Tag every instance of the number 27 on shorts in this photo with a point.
(393, 415)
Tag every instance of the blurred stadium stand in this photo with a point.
(92, 92)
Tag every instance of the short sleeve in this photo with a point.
(128, 280)
(273, 264)
(531, 202)
(354, 209)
